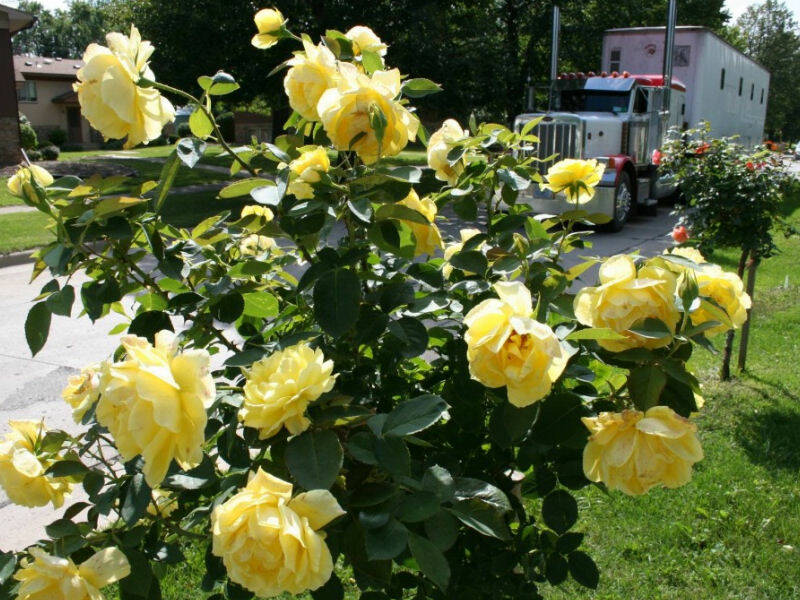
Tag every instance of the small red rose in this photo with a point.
(680, 234)
(656, 157)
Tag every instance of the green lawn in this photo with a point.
(143, 152)
(22, 231)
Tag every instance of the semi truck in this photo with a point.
(620, 115)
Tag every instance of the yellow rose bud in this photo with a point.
(259, 211)
(428, 238)
(727, 291)
(633, 451)
(455, 248)
(49, 577)
(254, 244)
(269, 541)
(507, 347)
(365, 40)
(82, 391)
(154, 403)
(163, 503)
(346, 111)
(22, 467)
(268, 22)
(109, 96)
(625, 298)
(576, 178)
(280, 386)
(306, 170)
(439, 144)
(312, 72)
(19, 184)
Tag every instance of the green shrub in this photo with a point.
(27, 136)
(58, 136)
(50, 152)
(184, 130)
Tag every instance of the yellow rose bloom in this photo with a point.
(163, 503)
(82, 391)
(688, 252)
(259, 211)
(22, 468)
(455, 248)
(507, 347)
(439, 144)
(727, 291)
(345, 113)
(19, 184)
(306, 170)
(633, 451)
(49, 577)
(428, 238)
(312, 72)
(154, 403)
(624, 298)
(109, 96)
(268, 22)
(280, 386)
(576, 178)
(365, 40)
(254, 244)
(269, 541)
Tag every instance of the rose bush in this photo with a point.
(305, 386)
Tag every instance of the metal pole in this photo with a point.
(554, 53)
(669, 46)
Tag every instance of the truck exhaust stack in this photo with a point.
(669, 49)
(554, 47)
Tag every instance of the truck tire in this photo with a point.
(623, 203)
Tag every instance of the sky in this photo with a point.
(735, 7)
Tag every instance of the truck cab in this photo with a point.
(617, 119)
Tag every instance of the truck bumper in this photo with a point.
(554, 204)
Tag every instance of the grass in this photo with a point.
(22, 231)
(6, 197)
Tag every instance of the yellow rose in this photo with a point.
(22, 467)
(109, 96)
(439, 144)
(428, 238)
(82, 391)
(688, 252)
(268, 21)
(727, 292)
(305, 171)
(269, 541)
(346, 110)
(19, 184)
(365, 40)
(254, 244)
(280, 386)
(50, 577)
(312, 72)
(258, 211)
(625, 298)
(163, 503)
(154, 403)
(507, 347)
(576, 178)
(455, 248)
(633, 451)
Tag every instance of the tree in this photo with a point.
(769, 34)
(62, 33)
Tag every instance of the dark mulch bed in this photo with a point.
(79, 169)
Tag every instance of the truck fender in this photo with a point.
(615, 166)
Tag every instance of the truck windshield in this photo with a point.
(594, 101)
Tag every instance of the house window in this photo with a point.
(722, 80)
(762, 95)
(616, 59)
(26, 91)
(741, 83)
(683, 109)
(752, 91)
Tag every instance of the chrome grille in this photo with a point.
(557, 135)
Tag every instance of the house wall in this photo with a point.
(45, 115)
(9, 126)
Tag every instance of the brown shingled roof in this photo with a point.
(39, 67)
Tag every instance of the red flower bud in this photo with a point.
(680, 234)
(656, 157)
(750, 166)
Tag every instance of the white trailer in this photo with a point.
(723, 86)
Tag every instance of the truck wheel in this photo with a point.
(623, 202)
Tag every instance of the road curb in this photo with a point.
(16, 258)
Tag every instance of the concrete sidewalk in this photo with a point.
(31, 387)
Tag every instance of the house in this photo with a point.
(11, 22)
(45, 96)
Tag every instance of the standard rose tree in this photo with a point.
(317, 388)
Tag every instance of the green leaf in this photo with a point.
(37, 327)
(471, 261)
(337, 297)
(362, 446)
(260, 304)
(569, 541)
(417, 88)
(401, 213)
(149, 323)
(228, 308)
(392, 454)
(61, 528)
(417, 507)
(194, 479)
(243, 187)
(556, 569)
(430, 560)
(67, 468)
(166, 178)
(415, 415)
(645, 384)
(412, 335)
(442, 530)
(482, 507)
(651, 329)
(136, 501)
(387, 541)
(595, 333)
(190, 151)
(60, 303)
(371, 61)
(221, 84)
(332, 590)
(559, 510)
(314, 459)
(583, 569)
(559, 419)
(8, 563)
(200, 124)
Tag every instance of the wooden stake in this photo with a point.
(725, 370)
(745, 337)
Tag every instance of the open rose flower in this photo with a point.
(365, 40)
(576, 178)
(306, 170)
(82, 391)
(439, 144)
(427, 235)
(311, 73)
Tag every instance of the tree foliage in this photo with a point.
(63, 33)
